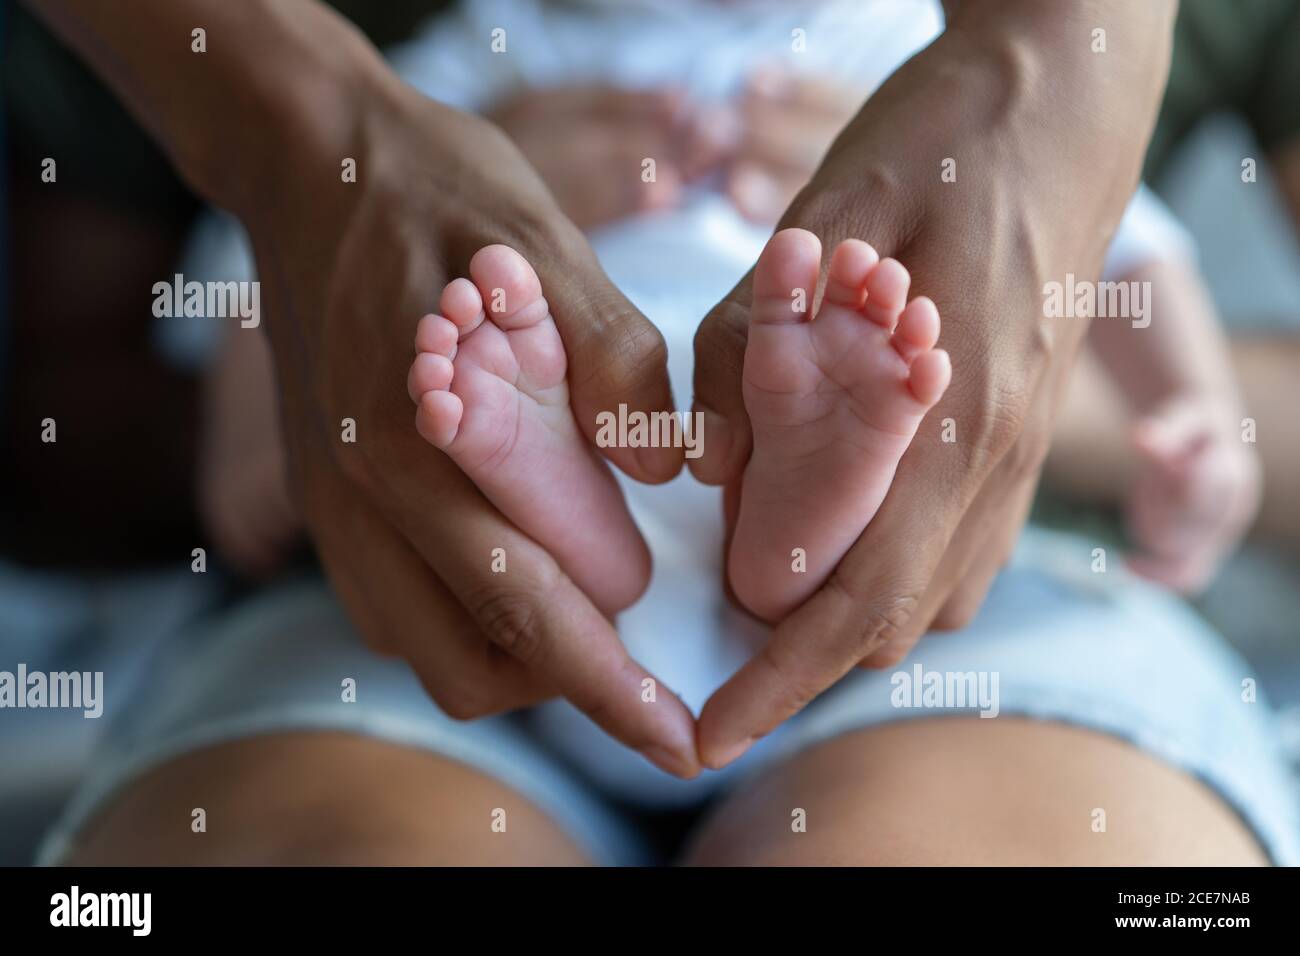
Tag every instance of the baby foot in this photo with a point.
(833, 403)
(491, 393)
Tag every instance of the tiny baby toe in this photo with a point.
(462, 304)
(785, 278)
(918, 329)
(438, 418)
(428, 372)
(929, 376)
(508, 286)
(846, 279)
(437, 334)
(887, 287)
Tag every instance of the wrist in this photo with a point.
(1076, 88)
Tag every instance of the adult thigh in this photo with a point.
(972, 791)
(320, 798)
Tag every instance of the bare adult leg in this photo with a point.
(972, 791)
(1267, 367)
(321, 798)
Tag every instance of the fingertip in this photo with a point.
(712, 464)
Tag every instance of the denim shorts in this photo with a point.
(1054, 641)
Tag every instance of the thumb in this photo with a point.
(616, 358)
(719, 368)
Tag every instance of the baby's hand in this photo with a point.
(589, 144)
(242, 477)
(784, 123)
(1196, 492)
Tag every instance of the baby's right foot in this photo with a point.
(833, 403)
(492, 394)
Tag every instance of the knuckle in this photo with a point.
(879, 619)
(885, 621)
(721, 339)
(513, 621)
(1002, 423)
(632, 350)
(797, 686)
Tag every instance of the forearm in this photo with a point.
(1092, 97)
(223, 115)
(1182, 352)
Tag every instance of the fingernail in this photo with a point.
(726, 755)
(671, 762)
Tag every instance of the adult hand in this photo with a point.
(1045, 138)
(268, 122)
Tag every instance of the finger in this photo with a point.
(711, 136)
(401, 607)
(719, 365)
(864, 604)
(534, 613)
(774, 83)
(762, 194)
(590, 100)
(633, 191)
(1185, 574)
(808, 652)
(980, 549)
(615, 103)
(1171, 439)
(782, 138)
(616, 357)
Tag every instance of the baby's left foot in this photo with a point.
(833, 402)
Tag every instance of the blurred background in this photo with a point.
(97, 529)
